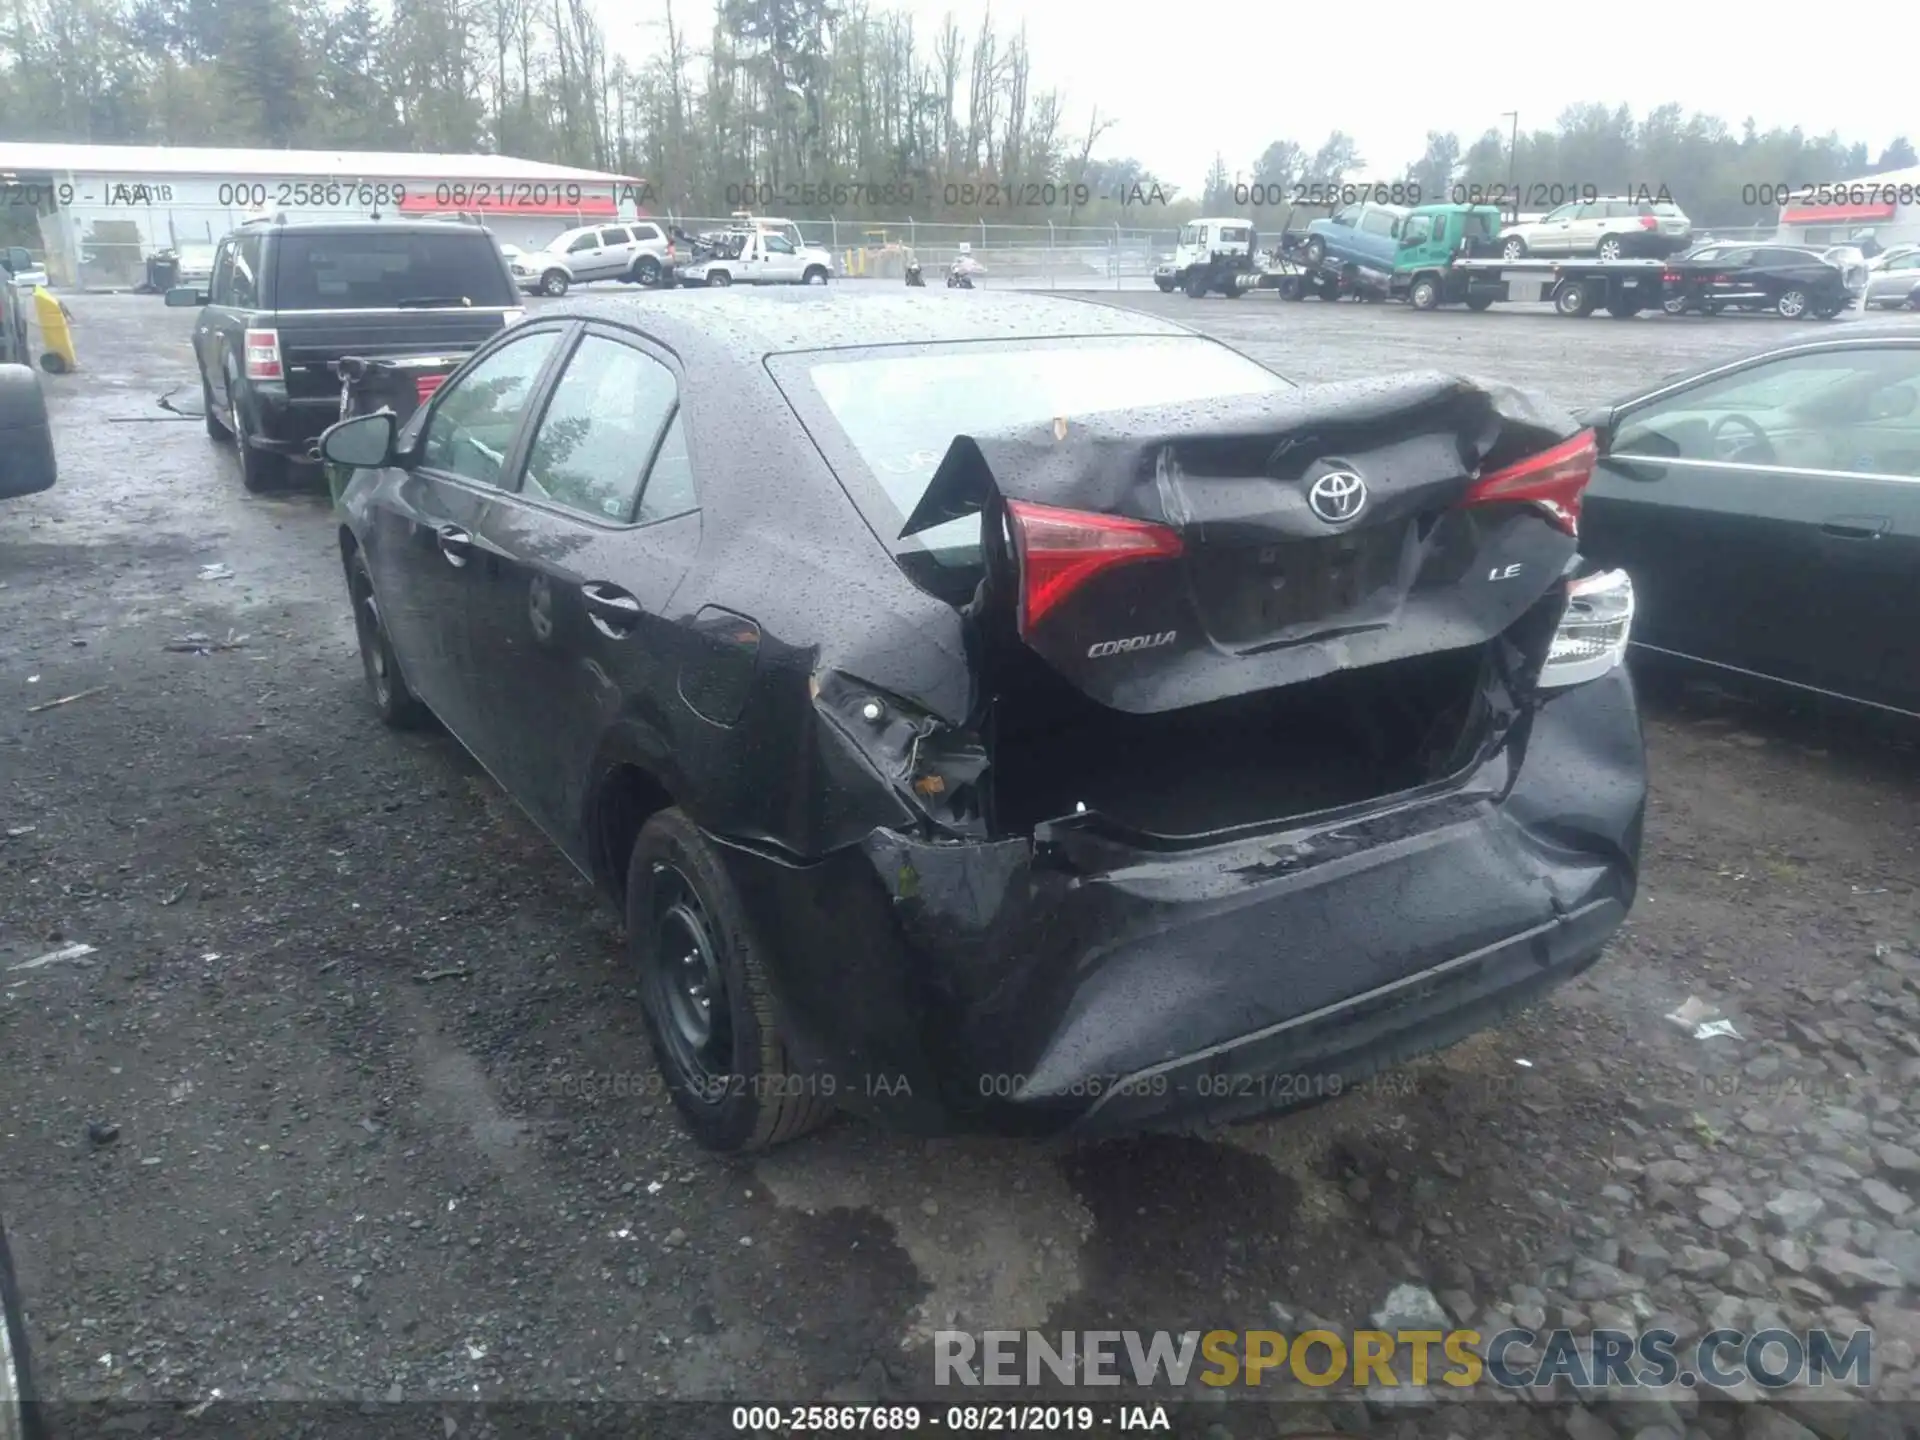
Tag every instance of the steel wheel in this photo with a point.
(397, 704)
(689, 987)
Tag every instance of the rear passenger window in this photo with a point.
(614, 236)
(591, 449)
(246, 274)
(669, 489)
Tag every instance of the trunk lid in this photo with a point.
(1256, 542)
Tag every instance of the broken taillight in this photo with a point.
(1554, 480)
(424, 387)
(263, 355)
(1060, 550)
(1594, 630)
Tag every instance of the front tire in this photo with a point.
(1425, 294)
(554, 283)
(817, 275)
(719, 278)
(1196, 286)
(397, 706)
(706, 1000)
(1514, 249)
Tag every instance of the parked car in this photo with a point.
(1768, 509)
(638, 252)
(1366, 235)
(1894, 284)
(944, 772)
(288, 300)
(1791, 281)
(26, 437)
(23, 271)
(1611, 227)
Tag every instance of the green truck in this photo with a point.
(1450, 255)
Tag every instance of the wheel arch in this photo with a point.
(629, 788)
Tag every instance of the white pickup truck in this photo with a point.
(757, 257)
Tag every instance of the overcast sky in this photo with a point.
(1183, 81)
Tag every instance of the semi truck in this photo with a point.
(1450, 255)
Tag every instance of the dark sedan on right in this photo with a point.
(1792, 282)
(1768, 509)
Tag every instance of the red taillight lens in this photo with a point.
(1060, 550)
(424, 386)
(1672, 277)
(1649, 222)
(1554, 480)
(263, 355)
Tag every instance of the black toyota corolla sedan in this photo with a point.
(1768, 508)
(993, 711)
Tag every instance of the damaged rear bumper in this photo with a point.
(1097, 982)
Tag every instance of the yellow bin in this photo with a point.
(56, 336)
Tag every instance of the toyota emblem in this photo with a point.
(1338, 496)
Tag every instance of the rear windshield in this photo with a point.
(896, 414)
(368, 271)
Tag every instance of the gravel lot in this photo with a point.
(314, 1173)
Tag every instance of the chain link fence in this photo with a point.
(1060, 256)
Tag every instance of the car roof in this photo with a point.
(739, 325)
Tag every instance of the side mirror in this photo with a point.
(185, 297)
(366, 442)
(26, 438)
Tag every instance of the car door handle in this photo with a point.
(1856, 527)
(456, 544)
(614, 612)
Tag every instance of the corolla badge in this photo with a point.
(1337, 496)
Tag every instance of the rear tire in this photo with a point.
(646, 271)
(1674, 305)
(1610, 247)
(1514, 248)
(398, 707)
(1622, 309)
(1479, 303)
(706, 1000)
(260, 470)
(1792, 304)
(1316, 251)
(816, 275)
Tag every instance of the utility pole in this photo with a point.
(1513, 145)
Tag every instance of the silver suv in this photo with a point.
(1613, 227)
(637, 251)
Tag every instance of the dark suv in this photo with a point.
(289, 300)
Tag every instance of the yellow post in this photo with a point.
(56, 336)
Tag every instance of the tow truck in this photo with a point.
(1221, 256)
(1449, 255)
